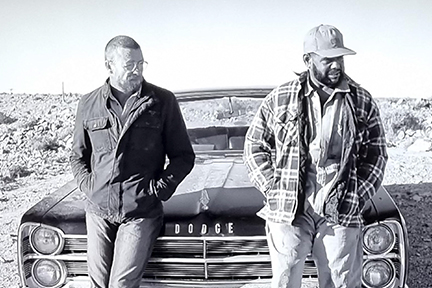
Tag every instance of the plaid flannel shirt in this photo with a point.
(272, 155)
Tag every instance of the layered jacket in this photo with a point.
(276, 149)
(124, 172)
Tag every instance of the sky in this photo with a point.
(48, 46)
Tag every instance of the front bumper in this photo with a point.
(83, 282)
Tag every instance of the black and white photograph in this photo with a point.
(222, 144)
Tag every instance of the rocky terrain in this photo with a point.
(36, 137)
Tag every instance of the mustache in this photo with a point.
(335, 71)
(134, 77)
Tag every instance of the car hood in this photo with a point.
(215, 199)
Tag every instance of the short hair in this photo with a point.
(120, 41)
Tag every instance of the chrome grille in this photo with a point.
(195, 258)
(27, 269)
(174, 270)
(185, 246)
(237, 246)
(26, 248)
(75, 244)
(198, 271)
(190, 246)
(76, 268)
(200, 258)
(243, 270)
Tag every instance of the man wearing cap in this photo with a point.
(330, 156)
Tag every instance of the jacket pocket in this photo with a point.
(99, 132)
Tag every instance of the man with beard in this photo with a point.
(124, 131)
(330, 156)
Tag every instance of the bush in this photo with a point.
(13, 172)
(405, 121)
(4, 119)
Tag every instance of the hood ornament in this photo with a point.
(204, 200)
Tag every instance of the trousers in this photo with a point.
(336, 250)
(118, 252)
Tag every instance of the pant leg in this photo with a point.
(133, 247)
(289, 245)
(339, 256)
(100, 247)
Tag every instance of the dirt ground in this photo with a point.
(415, 203)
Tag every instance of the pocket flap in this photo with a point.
(96, 123)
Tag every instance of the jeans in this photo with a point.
(118, 252)
(337, 251)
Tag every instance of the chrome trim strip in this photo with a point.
(63, 257)
(404, 253)
(211, 238)
(200, 238)
(381, 256)
(75, 236)
(403, 241)
(20, 256)
(205, 259)
(232, 259)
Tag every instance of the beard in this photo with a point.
(331, 78)
(131, 84)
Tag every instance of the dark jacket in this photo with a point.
(124, 175)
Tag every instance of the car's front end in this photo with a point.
(203, 249)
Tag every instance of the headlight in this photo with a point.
(49, 273)
(378, 239)
(46, 240)
(378, 273)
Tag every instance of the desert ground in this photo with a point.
(36, 137)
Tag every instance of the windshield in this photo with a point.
(217, 121)
(226, 111)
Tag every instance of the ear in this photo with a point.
(307, 60)
(108, 66)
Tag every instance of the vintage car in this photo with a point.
(211, 236)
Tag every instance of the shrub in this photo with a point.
(405, 121)
(4, 119)
(13, 172)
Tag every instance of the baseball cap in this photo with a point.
(326, 41)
